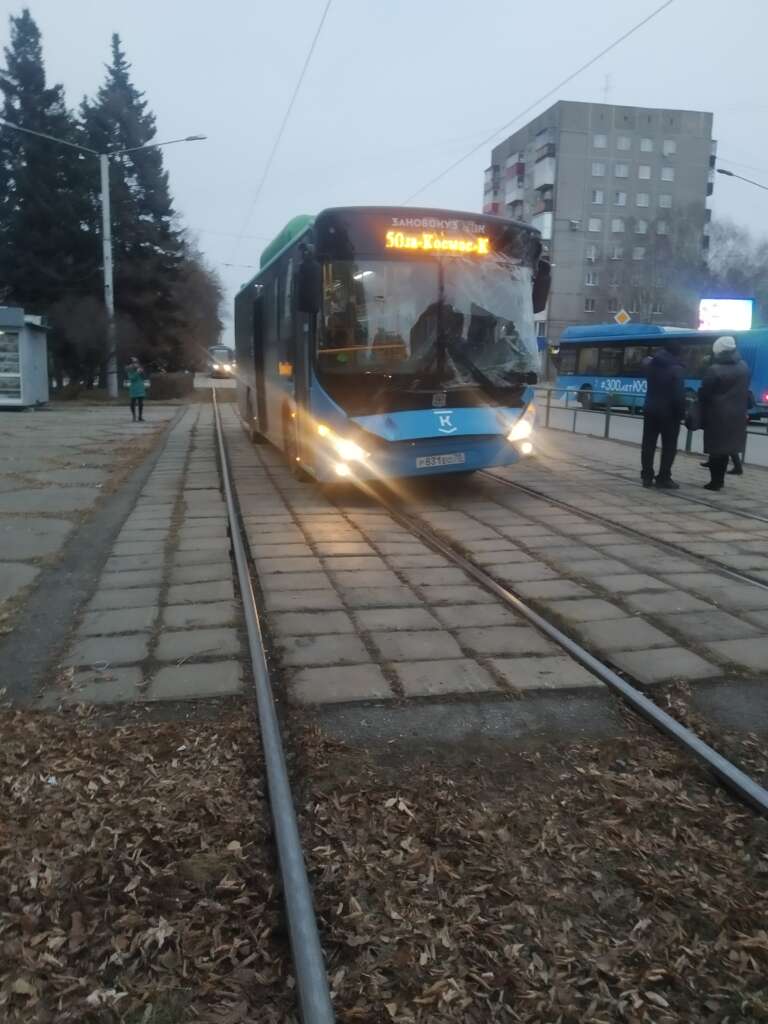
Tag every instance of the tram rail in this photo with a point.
(312, 985)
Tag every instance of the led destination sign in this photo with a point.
(429, 241)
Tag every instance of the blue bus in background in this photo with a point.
(380, 342)
(602, 365)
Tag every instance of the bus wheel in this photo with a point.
(584, 398)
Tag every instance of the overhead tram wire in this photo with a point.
(541, 99)
(281, 130)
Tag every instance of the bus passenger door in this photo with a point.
(258, 362)
(301, 346)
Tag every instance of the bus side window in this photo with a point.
(588, 360)
(567, 360)
(633, 360)
(610, 361)
(288, 342)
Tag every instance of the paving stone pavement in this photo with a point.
(163, 624)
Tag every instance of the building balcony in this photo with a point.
(515, 169)
(547, 150)
(544, 205)
(515, 210)
(544, 173)
(492, 208)
(543, 223)
(514, 192)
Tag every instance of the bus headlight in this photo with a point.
(526, 448)
(349, 450)
(524, 427)
(216, 366)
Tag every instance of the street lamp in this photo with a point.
(730, 174)
(106, 231)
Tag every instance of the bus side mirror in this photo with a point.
(541, 285)
(308, 286)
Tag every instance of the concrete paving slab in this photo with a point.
(385, 597)
(195, 681)
(124, 549)
(499, 640)
(311, 581)
(588, 609)
(714, 624)
(365, 579)
(339, 684)
(402, 645)
(279, 566)
(523, 573)
(631, 634)
(303, 600)
(205, 573)
(389, 619)
(423, 577)
(469, 594)
(401, 547)
(665, 665)
(331, 548)
(342, 649)
(310, 623)
(109, 650)
(131, 563)
(553, 673)
(354, 563)
(200, 557)
(201, 593)
(759, 618)
(218, 544)
(197, 643)
(511, 557)
(630, 583)
(294, 550)
(115, 686)
(665, 602)
(443, 678)
(122, 580)
(14, 577)
(551, 590)
(49, 499)
(468, 615)
(431, 561)
(130, 597)
(32, 536)
(188, 616)
(120, 620)
(751, 654)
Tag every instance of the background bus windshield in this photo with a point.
(406, 326)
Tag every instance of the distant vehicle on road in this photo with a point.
(380, 342)
(221, 361)
(602, 365)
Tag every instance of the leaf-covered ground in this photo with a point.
(591, 884)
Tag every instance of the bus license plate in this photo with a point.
(430, 461)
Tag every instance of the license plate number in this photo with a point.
(430, 461)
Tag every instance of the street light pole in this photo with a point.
(106, 232)
(730, 174)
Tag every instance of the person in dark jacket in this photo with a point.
(724, 404)
(663, 412)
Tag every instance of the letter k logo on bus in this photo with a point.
(446, 427)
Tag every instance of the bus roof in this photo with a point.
(585, 333)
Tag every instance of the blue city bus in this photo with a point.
(380, 342)
(602, 365)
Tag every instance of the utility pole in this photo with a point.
(106, 234)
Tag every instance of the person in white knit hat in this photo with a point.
(724, 403)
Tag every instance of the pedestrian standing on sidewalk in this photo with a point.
(663, 412)
(137, 389)
(724, 404)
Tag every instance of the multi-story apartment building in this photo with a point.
(620, 194)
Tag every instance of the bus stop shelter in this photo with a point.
(23, 359)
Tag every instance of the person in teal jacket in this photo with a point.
(137, 389)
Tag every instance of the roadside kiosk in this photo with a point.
(23, 359)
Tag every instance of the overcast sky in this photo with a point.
(396, 90)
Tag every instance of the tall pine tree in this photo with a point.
(147, 250)
(47, 241)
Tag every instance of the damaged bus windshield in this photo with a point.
(393, 329)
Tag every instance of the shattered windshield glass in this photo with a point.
(446, 324)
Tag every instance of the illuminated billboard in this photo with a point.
(725, 314)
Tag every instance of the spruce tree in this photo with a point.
(47, 243)
(147, 250)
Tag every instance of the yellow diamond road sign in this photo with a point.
(622, 317)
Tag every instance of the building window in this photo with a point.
(662, 228)
(667, 173)
(669, 147)
(643, 199)
(613, 304)
(616, 252)
(644, 172)
(599, 141)
(591, 254)
(624, 142)
(641, 226)
(595, 224)
(638, 253)
(613, 278)
(598, 169)
(657, 307)
(646, 145)
(633, 307)
(591, 280)
(541, 328)
(665, 201)
(619, 198)
(598, 196)
(621, 170)
(589, 305)
(617, 224)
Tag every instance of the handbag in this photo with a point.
(693, 417)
